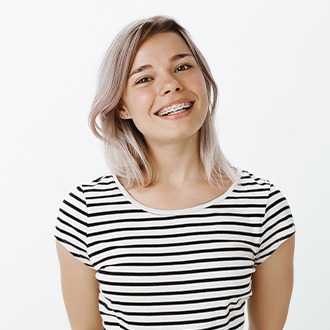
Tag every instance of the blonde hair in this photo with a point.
(125, 147)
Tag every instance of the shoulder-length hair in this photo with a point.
(125, 147)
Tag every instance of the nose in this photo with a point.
(170, 85)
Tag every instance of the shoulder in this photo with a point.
(258, 186)
(102, 182)
(90, 189)
(248, 179)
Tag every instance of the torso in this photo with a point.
(162, 196)
(185, 268)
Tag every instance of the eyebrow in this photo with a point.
(148, 66)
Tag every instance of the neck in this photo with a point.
(177, 163)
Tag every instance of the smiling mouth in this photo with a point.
(175, 109)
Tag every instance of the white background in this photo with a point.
(271, 62)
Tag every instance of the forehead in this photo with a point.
(160, 46)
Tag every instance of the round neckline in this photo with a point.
(183, 210)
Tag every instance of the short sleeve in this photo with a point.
(277, 226)
(71, 225)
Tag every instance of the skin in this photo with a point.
(161, 75)
(164, 73)
(80, 292)
(272, 285)
(165, 80)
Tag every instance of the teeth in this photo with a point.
(176, 108)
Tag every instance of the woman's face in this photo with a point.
(165, 95)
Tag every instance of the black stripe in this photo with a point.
(253, 183)
(235, 327)
(286, 207)
(113, 247)
(246, 197)
(179, 272)
(159, 236)
(273, 193)
(108, 203)
(178, 302)
(182, 262)
(98, 183)
(100, 190)
(278, 201)
(283, 238)
(190, 321)
(171, 313)
(179, 253)
(104, 196)
(75, 208)
(177, 217)
(280, 230)
(239, 206)
(76, 247)
(65, 223)
(66, 233)
(178, 226)
(176, 292)
(115, 212)
(164, 283)
(78, 199)
(288, 216)
(243, 191)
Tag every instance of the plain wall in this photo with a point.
(271, 62)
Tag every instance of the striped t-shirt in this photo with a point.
(177, 269)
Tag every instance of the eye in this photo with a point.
(143, 80)
(182, 67)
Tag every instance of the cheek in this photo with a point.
(199, 86)
(201, 90)
(144, 98)
(139, 100)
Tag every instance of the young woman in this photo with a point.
(175, 237)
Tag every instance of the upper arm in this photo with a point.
(272, 285)
(80, 291)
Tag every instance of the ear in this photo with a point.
(122, 112)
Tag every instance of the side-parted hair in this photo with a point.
(125, 147)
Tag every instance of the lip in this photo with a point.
(174, 103)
